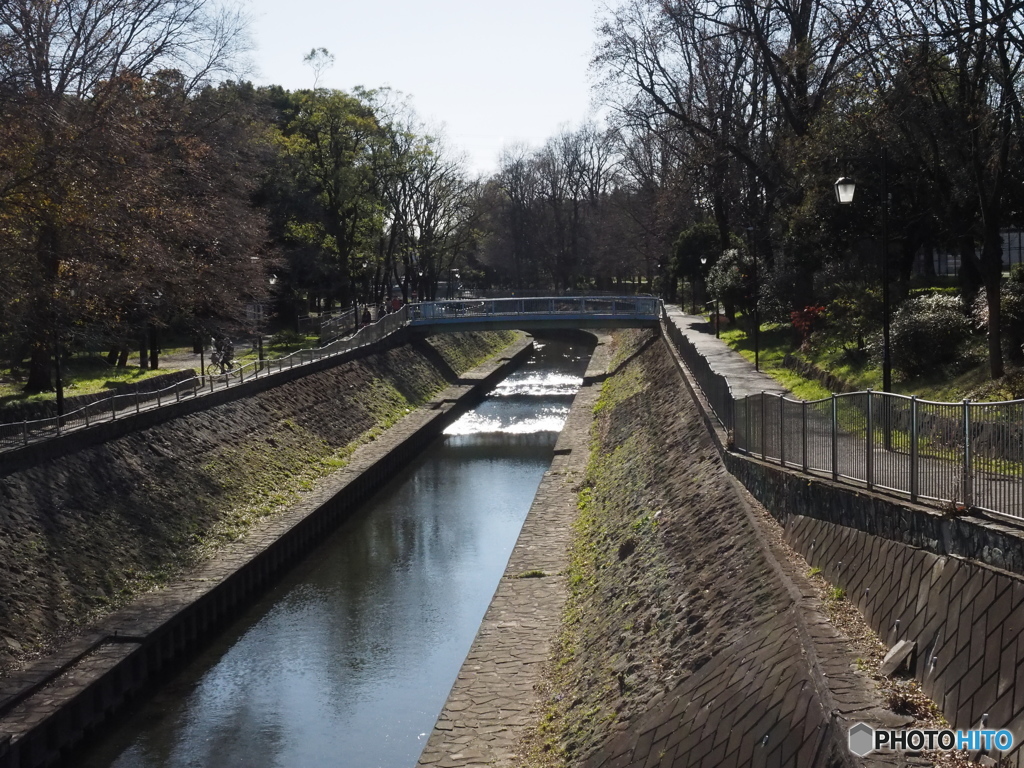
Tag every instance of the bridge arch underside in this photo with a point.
(520, 323)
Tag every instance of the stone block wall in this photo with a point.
(953, 584)
(918, 575)
(966, 619)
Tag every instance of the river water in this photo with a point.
(349, 660)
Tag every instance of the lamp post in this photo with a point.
(845, 188)
(718, 318)
(693, 294)
(757, 302)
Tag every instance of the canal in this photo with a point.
(349, 660)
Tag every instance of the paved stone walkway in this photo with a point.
(494, 700)
(743, 379)
(883, 469)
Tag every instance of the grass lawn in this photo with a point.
(971, 379)
(85, 373)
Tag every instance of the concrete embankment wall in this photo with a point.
(262, 478)
(917, 575)
(953, 585)
(688, 638)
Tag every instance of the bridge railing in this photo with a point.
(16, 434)
(558, 306)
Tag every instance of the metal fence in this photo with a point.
(337, 325)
(962, 454)
(714, 385)
(14, 435)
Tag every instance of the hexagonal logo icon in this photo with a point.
(862, 739)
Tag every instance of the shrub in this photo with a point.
(805, 320)
(1012, 314)
(926, 332)
(731, 280)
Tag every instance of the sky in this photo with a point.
(491, 72)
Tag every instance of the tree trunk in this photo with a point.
(39, 378)
(992, 271)
(143, 351)
(929, 261)
(154, 348)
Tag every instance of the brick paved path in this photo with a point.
(743, 379)
(493, 700)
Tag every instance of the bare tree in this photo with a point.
(72, 78)
(954, 100)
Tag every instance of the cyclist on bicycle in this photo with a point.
(225, 354)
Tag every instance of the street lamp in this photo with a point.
(718, 319)
(757, 302)
(845, 188)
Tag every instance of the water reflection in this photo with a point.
(350, 659)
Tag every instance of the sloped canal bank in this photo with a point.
(349, 659)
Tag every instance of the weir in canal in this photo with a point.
(349, 660)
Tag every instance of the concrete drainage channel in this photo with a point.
(50, 707)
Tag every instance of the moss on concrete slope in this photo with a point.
(665, 571)
(82, 534)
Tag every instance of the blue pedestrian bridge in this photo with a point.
(536, 314)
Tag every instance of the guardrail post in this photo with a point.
(177, 393)
(85, 410)
(835, 440)
(763, 409)
(869, 459)
(113, 408)
(803, 432)
(136, 399)
(968, 490)
(730, 412)
(748, 444)
(158, 403)
(914, 481)
(782, 430)
(24, 431)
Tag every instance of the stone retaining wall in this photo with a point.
(762, 677)
(953, 585)
(50, 706)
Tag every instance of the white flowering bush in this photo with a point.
(926, 332)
